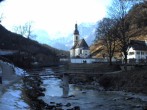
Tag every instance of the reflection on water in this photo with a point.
(52, 86)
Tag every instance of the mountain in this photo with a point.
(86, 31)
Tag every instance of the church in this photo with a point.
(80, 48)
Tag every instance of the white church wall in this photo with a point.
(88, 60)
(77, 51)
(72, 53)
(82, 60)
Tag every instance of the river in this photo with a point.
(89, 99)
(86, 99)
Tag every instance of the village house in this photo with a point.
(137, 51)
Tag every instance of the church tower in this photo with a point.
(76, 35)
(80, 48)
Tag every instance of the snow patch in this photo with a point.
(11, 99)
(22, 104)
(15, 93)
(19, 71)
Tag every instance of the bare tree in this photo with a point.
(106, 32)
(118, 11)
(24, 30)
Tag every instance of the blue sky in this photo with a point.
(53, 16)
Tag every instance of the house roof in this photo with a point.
(138, 45)
(81, 44)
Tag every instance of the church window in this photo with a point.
(138, 53)
(76, 37)
(142, 53)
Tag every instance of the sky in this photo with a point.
(57, 17)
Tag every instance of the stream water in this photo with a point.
(89, 99)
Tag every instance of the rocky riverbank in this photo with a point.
(32, 91)
(130, 81)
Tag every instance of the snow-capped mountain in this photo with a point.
(86, 30)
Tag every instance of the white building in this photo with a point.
(80, 48)
(137, 51)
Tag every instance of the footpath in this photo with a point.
(8, 76)
(10, 89)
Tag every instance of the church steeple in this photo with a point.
(76, 34)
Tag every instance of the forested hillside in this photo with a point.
(138, 21)
(28, 51)
(135, 28)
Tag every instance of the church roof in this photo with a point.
(73, 47)
(81, 44)
(138, 45)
